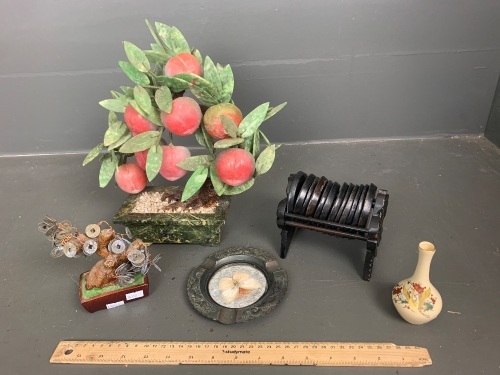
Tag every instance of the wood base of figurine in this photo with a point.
(109, 297)
(188, 224)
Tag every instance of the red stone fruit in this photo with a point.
(182, 63)
(213, 123)
(172, 155)
(136, 122)
(131, 178)
(184, 118)
(140, 158)
(235, 166)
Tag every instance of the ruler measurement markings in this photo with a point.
(275, 353)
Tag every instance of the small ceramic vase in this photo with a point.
(415, 298)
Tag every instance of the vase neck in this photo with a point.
(422, 270)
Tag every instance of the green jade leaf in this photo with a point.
(177, 42)
(205, 97)
(107, 170)
(230, 126)
(233, 190)
(211, 75)
(265, 160)
(195, 182)
(114, 132)
(199, 82)
(129, 91)
(248, 144)
(273, 110)
(200, 138)
(163, 98)
(117, 95)
(256, 144)
(227, 80)
(115, 105)
(217, 183)
(154, 161)
(228, 142)
(159, 42)
(136, 57)
(133, 73)
(114, 158)
(112, 118)
(252, 121)
(93, 153)
(121, 141)
(194, 162)
(197, 54)
(156, 57)
(163, 32)
(142, 98)
(140, 142)
(153, 116)
(175, 84)
(155, 47)
(208, 140)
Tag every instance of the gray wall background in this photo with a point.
(492, 131)
(348, 69)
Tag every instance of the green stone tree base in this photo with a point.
(114, 295)
(185, 226)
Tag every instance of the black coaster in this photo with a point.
(334, 193)
(294, 187)
(322, 199)
(367, 206)
(309, 196)
(343, 203)
(348, 206)
(360, 206)
(313, 202)
(301, 195)
(344, 208)
(354, 206)
(338, 201)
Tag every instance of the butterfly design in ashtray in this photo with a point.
(238, 285)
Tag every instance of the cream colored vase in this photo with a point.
(415, 298)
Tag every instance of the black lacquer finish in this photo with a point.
(347, 210)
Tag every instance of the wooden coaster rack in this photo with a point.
(341, 210)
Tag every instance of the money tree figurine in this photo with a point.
(119, 277)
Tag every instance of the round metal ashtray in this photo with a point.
(237, 284)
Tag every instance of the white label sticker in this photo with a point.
(115, 304)
(135, 295)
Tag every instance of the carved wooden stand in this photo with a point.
(347, 211)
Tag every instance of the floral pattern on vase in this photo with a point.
(415, 297)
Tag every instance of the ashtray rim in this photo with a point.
(199, 296)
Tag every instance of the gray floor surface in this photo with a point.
(441, 190)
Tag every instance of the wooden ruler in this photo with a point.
(240, 353)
